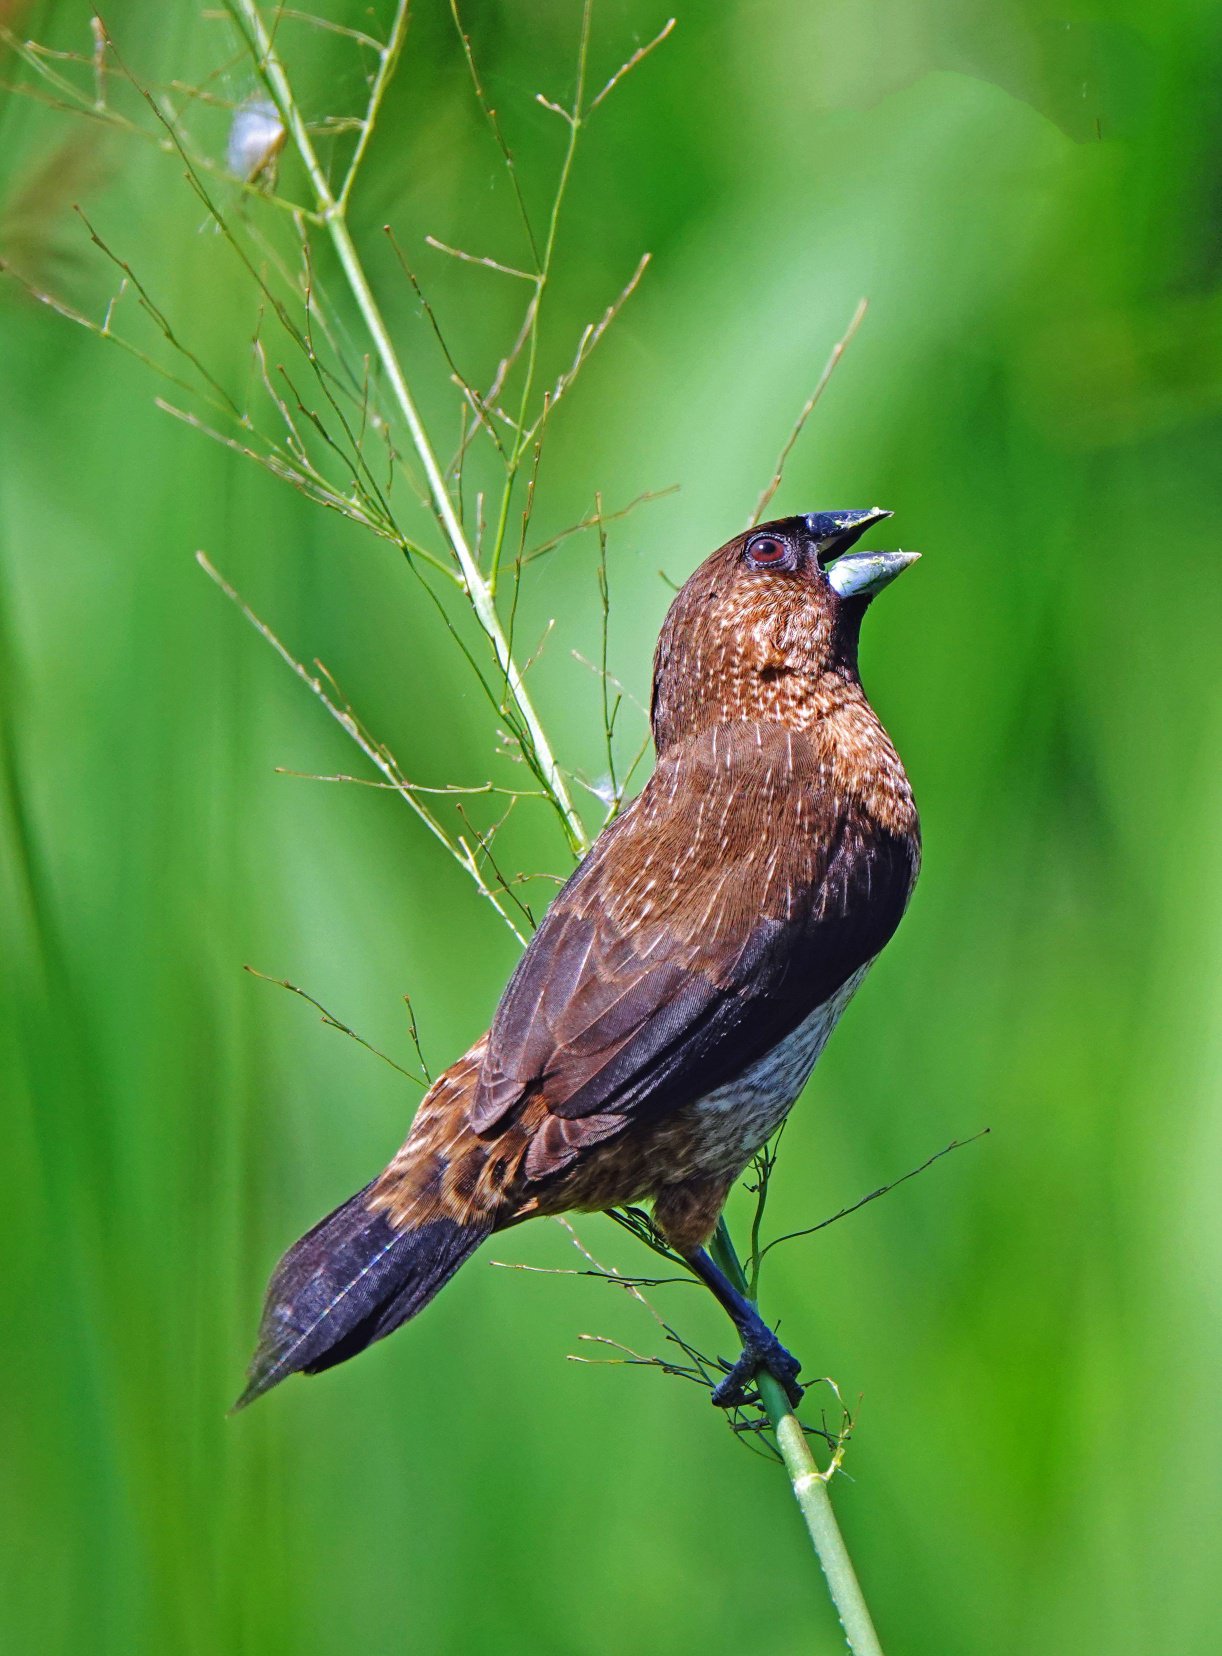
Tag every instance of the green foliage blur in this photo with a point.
(1028, 197)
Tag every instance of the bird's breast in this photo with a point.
(731, 1123)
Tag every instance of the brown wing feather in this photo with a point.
(689, 942)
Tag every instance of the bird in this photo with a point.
(672, 1004)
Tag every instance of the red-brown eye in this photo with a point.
(766, 552)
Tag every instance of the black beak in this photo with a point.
(834, 532)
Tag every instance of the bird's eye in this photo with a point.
(766, 552)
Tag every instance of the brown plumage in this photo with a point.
(671, 1005)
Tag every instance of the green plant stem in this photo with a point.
(333, 216)
(388, 57)
(809, 1486)
(574, 118)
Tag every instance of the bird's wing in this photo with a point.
(727, 903)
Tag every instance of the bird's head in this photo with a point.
(768, 622)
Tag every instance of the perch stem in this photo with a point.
(810, 1486)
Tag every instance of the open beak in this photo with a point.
(863, 574)
(854, 574)
(834, 532)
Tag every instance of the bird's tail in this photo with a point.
(382, 1255)
(348, 1282)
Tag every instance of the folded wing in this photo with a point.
(735, 896)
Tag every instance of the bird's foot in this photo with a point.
(761, 1350)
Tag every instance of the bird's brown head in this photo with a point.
(767, 627)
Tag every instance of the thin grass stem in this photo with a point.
(810, 1486)
(808, 408)
(377, 755)
(388, 57)
(479, 591)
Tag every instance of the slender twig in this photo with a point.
(388, 57)
(483, 413)
(590, 337)
(864, 1201)
(553, 541)
(448, 788)
(414, 1036)
(810, 1486)
(491, 117)
(534, 309)
(808, 408)
(104, 330)
(638, 56)
(604, 594)
(764, 1164)
(479, 259)
(332, 1022)
(377, 755)
(153, 310)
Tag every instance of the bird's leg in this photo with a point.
(761, 1348)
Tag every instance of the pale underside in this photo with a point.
(737, 1119)
(687, 1162)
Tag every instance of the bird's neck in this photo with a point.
(844, 748)
(864, 761)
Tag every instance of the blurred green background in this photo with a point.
(1029, 199)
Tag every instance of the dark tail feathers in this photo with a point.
(348, 1282)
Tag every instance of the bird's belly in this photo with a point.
(713, 1137)
(733, 1122)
